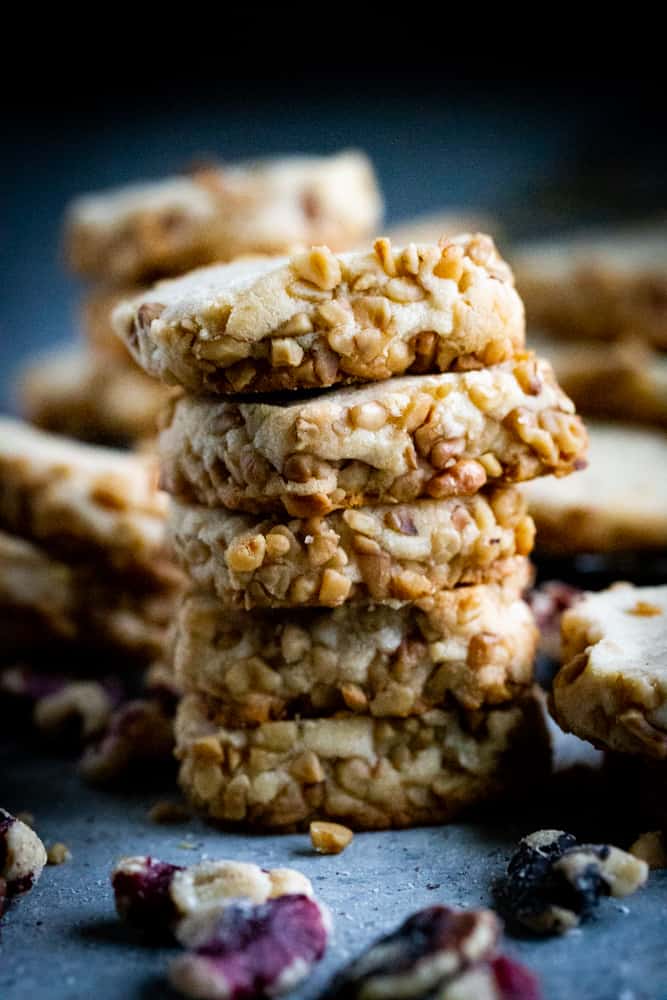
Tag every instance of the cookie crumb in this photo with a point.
(645, 609)
(651, 848)
(165, 811)
(329, 838)
(58, 854)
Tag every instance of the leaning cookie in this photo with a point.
(382, 553)
(47, 603)
(319, 319)
(82, 502)
(612, 689)
(168, 226)
(422, 436)
(473, 645)
(606, 284)
(624, 380)
(92, 395)
(368, 773)
(618, 503)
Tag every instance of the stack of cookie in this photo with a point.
(355, 644)
(124, 239)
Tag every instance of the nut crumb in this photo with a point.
(58, 854)
(166, 811)
(329, 838)
(651, 848)
(645, 609)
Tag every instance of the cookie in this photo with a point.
(382, 553)
(605, 284)
(80, 502)
(166, 227)
(612, 688)
(434, 436)
(624, 380)
(618, 503)
(474, 645)
(318, 318)
(368, 773)
(89, 395)
(46, 603)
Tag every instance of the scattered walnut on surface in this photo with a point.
(22, 858)
(329, 838)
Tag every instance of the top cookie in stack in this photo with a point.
(357, 551)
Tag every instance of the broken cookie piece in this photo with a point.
(553, 882)
(436, 954)
(22, 858)
(250, 950)
(155, 895)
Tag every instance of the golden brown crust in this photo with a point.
(367, 773)
(319, 319)
(391, 553)
(432, 436)
(612, 688)
(474, 645)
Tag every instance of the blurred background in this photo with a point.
(542, 152)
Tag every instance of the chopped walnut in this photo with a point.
(651, 848)
(645, 610)
(329, 838)
(58, 854)
(553, 883)
(22, 858)
(249, 949)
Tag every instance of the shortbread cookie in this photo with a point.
(381, 553)
(606, 284)
(432, 436)
(474, 645)
(88, 395)
(46, 601)
(217, 213)
(368, 773)
(618, 503)
(624, 380)
(319, 319)
(612, 689)
(81, 502)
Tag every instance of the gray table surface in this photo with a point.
(521, 161)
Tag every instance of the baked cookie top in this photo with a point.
(612, 688)
(164, 227)
(619, 502)
(419, 436)
(319, 318)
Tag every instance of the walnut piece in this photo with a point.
(22, 858)
(329, 838)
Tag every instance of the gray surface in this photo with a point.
(64, 941)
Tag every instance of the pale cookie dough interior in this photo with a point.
(619, 502)
(318, 318)
(612, 689)
(474, 645)
(380, 553)
(367, 773)
(432, 436)
(217, 213)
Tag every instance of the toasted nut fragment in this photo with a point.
(645, 610)
(335, 587)
(368, 416)
(553, 882)
(250, 950)
(22, 858)
(329, 838)
(285, 351)
(427, 953)
(245, 554)
(58, 854)
(320, 267)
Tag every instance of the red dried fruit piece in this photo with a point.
(141, 890)
(428, 952)
(514, 981)
(250, 950)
